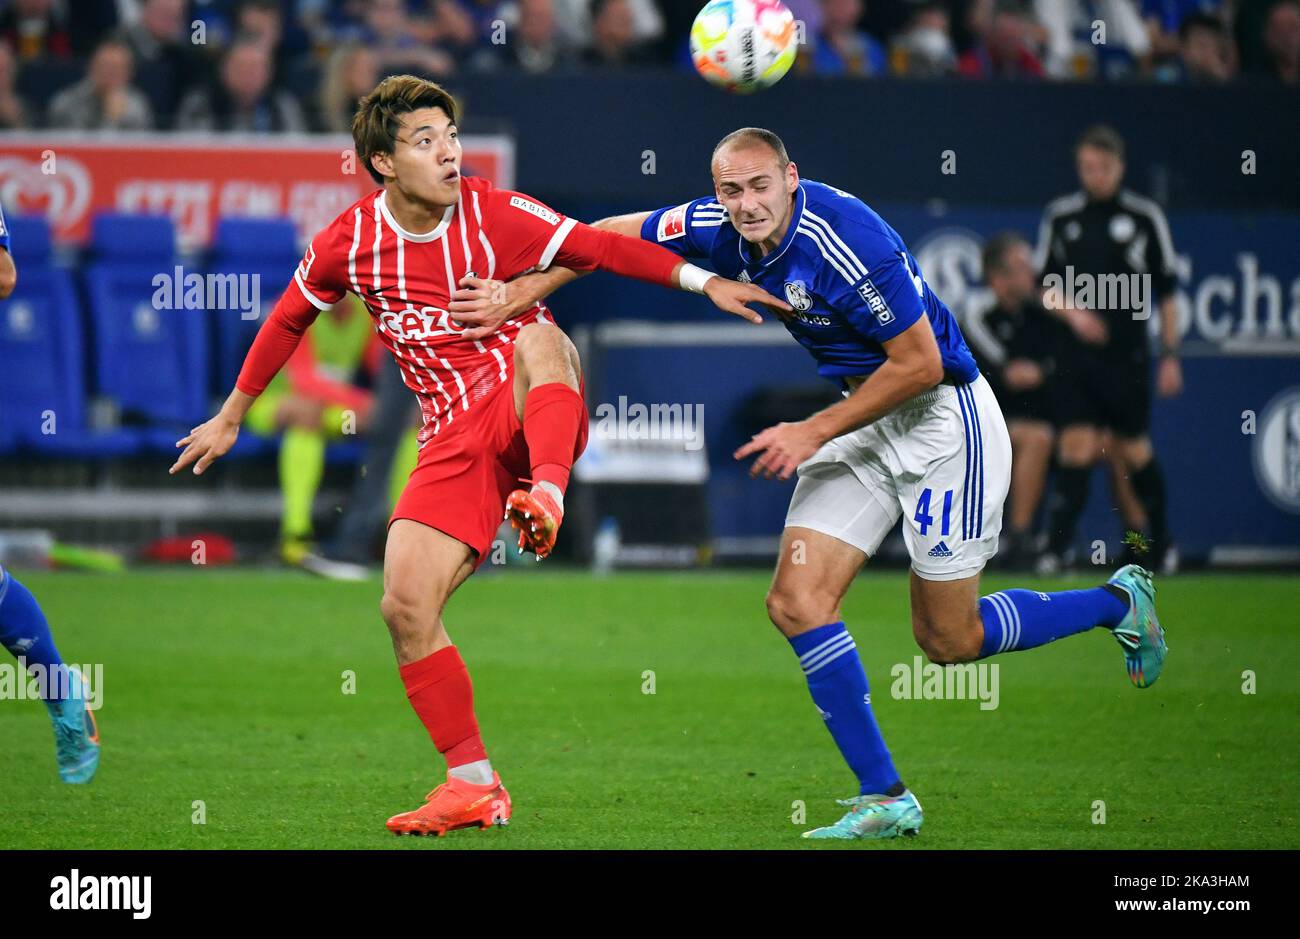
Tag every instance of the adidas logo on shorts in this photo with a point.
(940, 551)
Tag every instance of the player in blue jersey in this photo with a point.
(25, 632)
(919, 435)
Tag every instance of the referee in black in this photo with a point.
(1107, 260)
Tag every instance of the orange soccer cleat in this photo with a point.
(538, 519)
(456, 804)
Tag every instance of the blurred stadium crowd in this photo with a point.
(299, 65)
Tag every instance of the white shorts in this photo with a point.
(942, 461)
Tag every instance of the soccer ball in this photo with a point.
(743, 45)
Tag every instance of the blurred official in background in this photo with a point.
(1107, 259)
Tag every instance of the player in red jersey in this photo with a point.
(498, 409)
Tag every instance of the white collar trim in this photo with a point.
(411, 236)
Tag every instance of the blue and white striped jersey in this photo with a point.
(4, 231)
(848, 275)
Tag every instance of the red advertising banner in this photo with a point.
(199, 178)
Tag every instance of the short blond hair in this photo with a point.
(755, 135)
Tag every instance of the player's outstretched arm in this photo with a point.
(628, 225)
(275, 343)
(587, 247)
(913, 365)
(731, 296)
(214, 437)
(483, 305)
(727, 295)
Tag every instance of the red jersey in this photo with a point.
(406, 279)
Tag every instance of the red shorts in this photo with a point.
(464, 474)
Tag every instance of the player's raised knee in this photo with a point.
(542, 339)
(794, 613)
(543, 353)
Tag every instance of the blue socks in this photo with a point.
(24, 630)
(838, 686)
(1023, 619)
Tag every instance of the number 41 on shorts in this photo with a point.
(925, 519)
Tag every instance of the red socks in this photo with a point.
(439, 689)
(438, 685)
(553, 425)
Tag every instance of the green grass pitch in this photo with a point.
(227, 687)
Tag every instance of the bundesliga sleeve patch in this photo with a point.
(876, 303)
(541, 211)
(672, 224)
(308, 259)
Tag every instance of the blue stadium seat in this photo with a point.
(40, 345)
(344, 453)
(30, 241)
(267, 248)
(257, 240)
(149, 356)
(42, 383)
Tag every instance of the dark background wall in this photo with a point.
(884, 141)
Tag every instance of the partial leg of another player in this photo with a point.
(1131, 513)
(1078, 449)
(1031, 443)
(1148, 479)
(25, 632)
(422, 568)
(300, 421)
(548, 401)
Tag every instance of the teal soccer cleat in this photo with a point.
(874, 817)
(1139, 633)
(76, 735)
